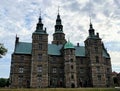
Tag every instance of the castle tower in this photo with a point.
(94, 51)
(58, 36)
(39, 64)
(70, 65)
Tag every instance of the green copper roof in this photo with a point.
(53, 49)
(23, 48)
(93, 37)
(105, 54)
(40, 32)
(59, 31)
(68, 45)
(79, 50)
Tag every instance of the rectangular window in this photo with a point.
(40, 57)
(54, 82)
(98, 69)
(39, 78)
(71, 51)
(39, 68)
(95, 42)
(54, 70)
(108, 78)
(97, 59)
(54, 59)
(22, 58)
(99, 77)
(81, 70)
(108, 70)
(40, 37)
(40, 46)
(81, 61)
(72, 76)
(21, 69)
(20, 79)
(96, 49)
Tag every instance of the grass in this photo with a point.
(62, 89)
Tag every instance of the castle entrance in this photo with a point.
(73, 85)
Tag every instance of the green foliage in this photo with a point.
(3, 50)
(116, 81)
(4, 82)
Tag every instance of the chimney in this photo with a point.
(78, 44)
(45, 30)
(17, 40)
(98, 35)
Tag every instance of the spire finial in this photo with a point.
(90, 13)
(40, 13)
(40, 19)
(58, 9)
(16, 35)
(90, 22)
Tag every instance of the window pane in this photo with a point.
(40, 37)
(97, 59)
(99, 77)
(71, 66)
(54, 70)
(39, 68)
(40, 46)
(21, 69)
(98, 69)
(39, 57)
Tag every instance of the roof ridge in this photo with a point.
(25, 42)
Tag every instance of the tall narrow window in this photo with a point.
(97, 59)
(40, 37)
(20, 80)
(39, 79)
(21, 69)
(98, 69)
(40, 57)
(81, 70)
(96, 49)
(54, 59)
(81, 61)
(71, 51)
(54, 70)
(39, 68)
(99, 77)
(71, 60)
(40, 46)
(108, 69)
(72, 76)
(71, 66)
(22, 58)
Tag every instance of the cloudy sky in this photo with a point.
(20, 17)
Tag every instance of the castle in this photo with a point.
(60, 64)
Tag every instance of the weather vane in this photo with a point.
(58, 9)
(90, 10)
(39, 12)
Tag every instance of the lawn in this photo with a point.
(63, 89)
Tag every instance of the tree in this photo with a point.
(4, 82)
(3, 50)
